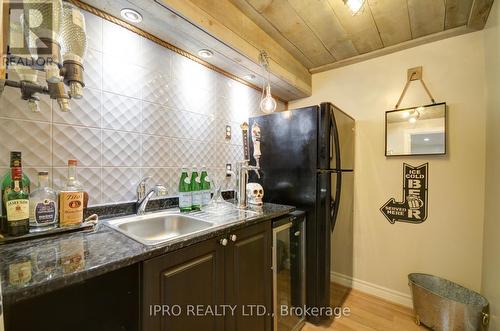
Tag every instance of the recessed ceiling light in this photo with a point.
(427, 139)
(205, 53)
(131, 15)
(355, 5)
(249, 77)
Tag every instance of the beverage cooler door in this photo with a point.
(289, 274)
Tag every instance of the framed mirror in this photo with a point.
(416, 131)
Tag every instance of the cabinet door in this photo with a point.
(179, 280)
(249, 278)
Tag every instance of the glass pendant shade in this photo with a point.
(268, 104)
(73, 36)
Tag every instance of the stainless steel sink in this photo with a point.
(154, 229)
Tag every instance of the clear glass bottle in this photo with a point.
(71, 199)
(205, 187)
(195, 190)
(43, 205)
(185, 200)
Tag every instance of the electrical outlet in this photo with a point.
(228, 132)
(229, 167)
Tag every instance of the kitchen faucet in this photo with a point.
(143, 197)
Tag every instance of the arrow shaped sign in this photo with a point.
(413, 208)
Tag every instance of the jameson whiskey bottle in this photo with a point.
(43, 205)
(71, 199)
(6, 182)
(185, 200)
(17, 205)
(195, 190)
(205, 187)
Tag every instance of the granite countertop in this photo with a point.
(39, 266)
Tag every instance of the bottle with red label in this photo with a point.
(17, 205)
(72, 199)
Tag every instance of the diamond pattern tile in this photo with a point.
(156, 85)
(93, 71)
(121, 77)
(93, 25)
(155, 57)
(30, 138)
(156, 151)
(74, 142)
(119, 184)
(11, 105)
(89, 177)
(121, 149)
(146, 111)
(32, 173)
(85, 111)
(121, 113)
(159, 176)
(121, 43)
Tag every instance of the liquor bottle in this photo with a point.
(195, 190)
(43, 205)
(205, 187)
(185, 199)
(17, 205)
(15, 161)
(71, 199)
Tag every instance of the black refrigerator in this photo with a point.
(307, 161)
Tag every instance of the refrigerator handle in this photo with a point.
(335, 201)
(334, 142)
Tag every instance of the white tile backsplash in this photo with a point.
(146, 111)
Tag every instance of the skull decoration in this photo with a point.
(255, 194)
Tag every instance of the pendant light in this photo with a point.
(267, 102)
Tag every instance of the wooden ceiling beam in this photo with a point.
(225, 22)
(479, 14)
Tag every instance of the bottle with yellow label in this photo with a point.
(71, 199)
(17, 205)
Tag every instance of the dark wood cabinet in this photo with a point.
(177, 281)
(249, 278)
(231, 270)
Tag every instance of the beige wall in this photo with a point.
(449, 243)
(491, 264)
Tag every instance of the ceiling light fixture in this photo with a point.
(267, 102)
(355, 6)
(131, 15)
(205, 53)
(427, 139)
(249, 77)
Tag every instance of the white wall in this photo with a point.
(449, 243)
(147, 111)
(491, 265)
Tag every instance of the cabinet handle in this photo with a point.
(233, 237)
(223, 242)
(297, 233)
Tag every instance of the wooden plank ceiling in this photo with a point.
(323, 34)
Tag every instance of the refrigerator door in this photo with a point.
(336, 139)
(288, 161)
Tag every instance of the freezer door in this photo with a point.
(288, 161)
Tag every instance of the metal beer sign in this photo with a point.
(413, 208)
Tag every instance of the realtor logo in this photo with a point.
(413, 208)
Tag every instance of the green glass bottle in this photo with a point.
(205, 187)
(6, 183)
(185, 199)
(195, 190)
(17, 205)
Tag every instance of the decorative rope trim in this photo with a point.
(161, 42)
